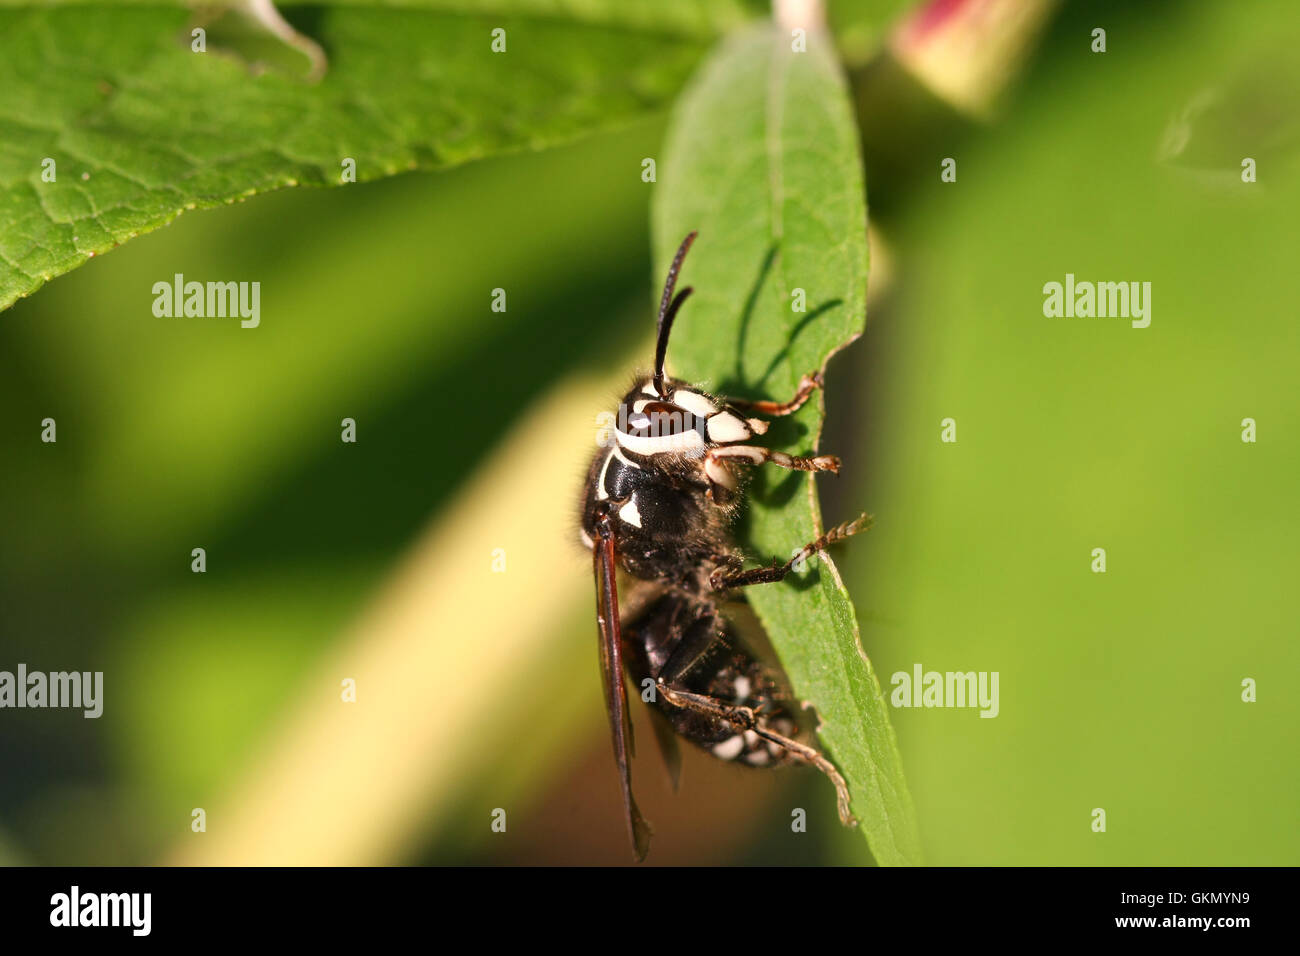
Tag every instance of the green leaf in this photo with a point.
(763, 159)
(140, 128)
(699, 18)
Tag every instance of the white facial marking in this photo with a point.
(624, 459)
(751, 739)
(649, 388)
(743, 688)
(725, 426)
(629, 513)
(730, 748)
(757, 758)
(694, 402)
(586, 538)
(688, 443)
(639, 405)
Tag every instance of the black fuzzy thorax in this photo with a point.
(685, 531)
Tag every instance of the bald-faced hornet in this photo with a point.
(658, 503)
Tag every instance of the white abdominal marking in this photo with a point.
(730, 748)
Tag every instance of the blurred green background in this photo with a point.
(1118, 690)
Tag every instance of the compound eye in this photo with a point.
(653, 428)
(657, 419)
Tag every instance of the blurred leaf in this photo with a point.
(859, 26)
(298, 529)
(440, 657)
(141, 128)
(763, 160)
(375, 305)
(699, 18)
(178, 733)
(1123, 688)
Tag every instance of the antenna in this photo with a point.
(668, 306)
